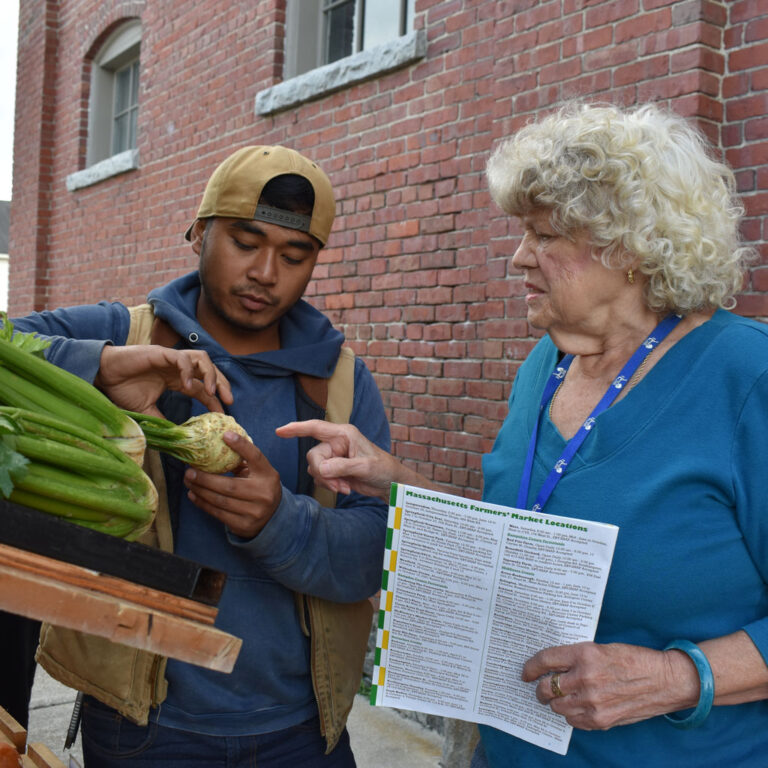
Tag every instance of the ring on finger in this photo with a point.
(554, 684)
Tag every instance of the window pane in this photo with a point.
(339, 30)
(120, 135)
(122, 90)
(132, 115)
(135, 84)
(381, 23)
(126, 110)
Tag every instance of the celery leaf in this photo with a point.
(12, 464)
(29, 342)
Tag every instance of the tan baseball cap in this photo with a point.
(234, 189)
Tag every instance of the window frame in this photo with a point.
(121, 49)
(327, 78)
(306, 32)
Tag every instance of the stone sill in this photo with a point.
(112, 166)
(353, 69)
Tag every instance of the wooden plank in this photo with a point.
(42, 757)
(67, 573)
(36, 531)
(43, 598)
(11, 730)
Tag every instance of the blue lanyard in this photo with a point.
(556, 377)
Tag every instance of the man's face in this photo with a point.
(252, 273)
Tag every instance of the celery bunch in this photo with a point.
(65, 448)
(67, 471)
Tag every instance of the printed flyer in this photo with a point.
(470, 591)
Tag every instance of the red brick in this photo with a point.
(760, 79)
(538, 14)
(646, 25)
(750, 106)
(643, 70)
(612, 56)
(743, 10)
(699, 57)
(749, 57)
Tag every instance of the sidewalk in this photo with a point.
(380, 737)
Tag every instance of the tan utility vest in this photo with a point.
(132, 681)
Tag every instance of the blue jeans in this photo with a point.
(111, 740)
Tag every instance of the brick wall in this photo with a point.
(417, 272)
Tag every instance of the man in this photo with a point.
(236, 331)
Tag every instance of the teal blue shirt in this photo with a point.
(680, 464)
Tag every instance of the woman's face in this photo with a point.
(567, 288)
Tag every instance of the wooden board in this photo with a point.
(44, 534)
(34, 755)
(42, 757)
(66, 573)
(29, 591)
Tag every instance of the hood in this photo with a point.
(309, 343)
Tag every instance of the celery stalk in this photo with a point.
(68, 397)
(22, 393)
(46, 481)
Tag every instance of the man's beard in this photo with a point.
(221, 313)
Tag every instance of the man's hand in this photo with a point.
(134, 377)
(244, 503)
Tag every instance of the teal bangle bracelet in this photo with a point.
(706, 685)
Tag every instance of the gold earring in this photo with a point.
(630, 276)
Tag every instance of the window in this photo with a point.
(323, 31)
(113, 108)
(114, 101)
(331, 44)
(126, 107)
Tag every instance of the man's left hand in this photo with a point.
(244, 502)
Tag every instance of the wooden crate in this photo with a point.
(70, 596)
(73, 577)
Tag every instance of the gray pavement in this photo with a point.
(380, 737)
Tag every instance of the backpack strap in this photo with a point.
(341, 389)
(336, 397)
(140, 329)
(145, 328)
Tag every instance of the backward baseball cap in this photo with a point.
(234, 189)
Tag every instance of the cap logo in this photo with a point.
(282, 218)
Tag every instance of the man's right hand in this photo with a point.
(134, 377)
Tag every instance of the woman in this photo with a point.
(658, 413)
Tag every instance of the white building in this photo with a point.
(5, 222)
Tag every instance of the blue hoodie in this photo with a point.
(333, 553)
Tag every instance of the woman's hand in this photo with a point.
(134, 377)
(346, 461)
(244, 502)
(603, 686)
